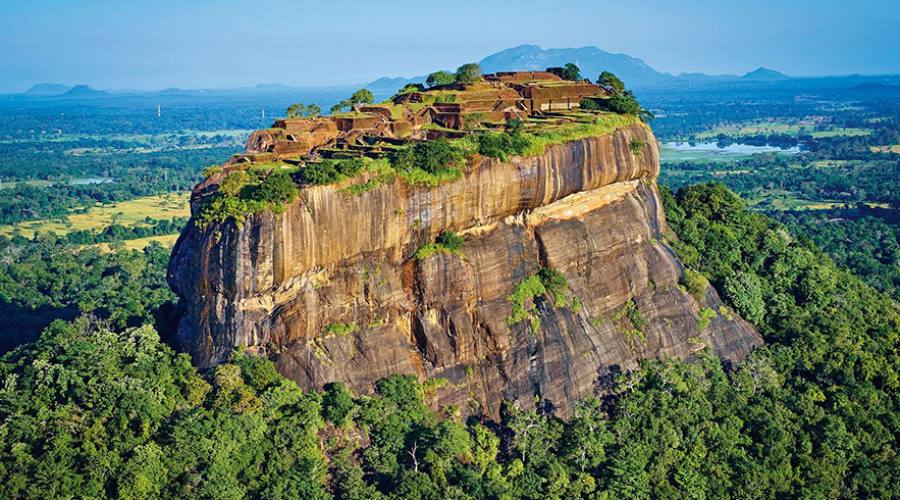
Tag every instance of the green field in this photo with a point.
(35, 183)
(127, 213)
(777, 199)
(140, 143)
(790, 127)
(831, 163)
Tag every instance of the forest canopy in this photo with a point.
(811, 414)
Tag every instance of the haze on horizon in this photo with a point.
(226, 43)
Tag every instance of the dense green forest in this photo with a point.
(47, 278)
(94, 410)
(865, 241)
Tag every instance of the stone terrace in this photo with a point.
(447, 111)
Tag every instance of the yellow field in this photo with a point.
(126, 213)
(841, 131)
(167, 240)
(829, 163)
(886, 149)
(828, 205)
(822, 206)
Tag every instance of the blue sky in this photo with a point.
(225, 43)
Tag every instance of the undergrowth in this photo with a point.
(525, 295)
(246, 192)
(446, 242)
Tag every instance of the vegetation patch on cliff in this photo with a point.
(635, 319)
(340, 329)
(528, 291)
(429, 162)
(520, 140)
(694, 283)
(246, 192)
(446, 242)
(636, 144)
(705, 317)
(381, 172)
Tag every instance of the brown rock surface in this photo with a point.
(588, 209)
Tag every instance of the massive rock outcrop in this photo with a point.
(331, 291)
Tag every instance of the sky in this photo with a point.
(155, 44)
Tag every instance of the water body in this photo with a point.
(91, 180)
(677, 151)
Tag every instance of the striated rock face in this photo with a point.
(588, 209)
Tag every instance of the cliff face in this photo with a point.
(588, 209)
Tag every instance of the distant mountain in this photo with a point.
(48, 89)
(765, 74)
(82, 91)
(389, 85)
(591, 60)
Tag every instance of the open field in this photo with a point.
(166, 240)
(841, 132)
(781, 128)
(74, 144)
(776, 199)
(127, 213)
(886, 149)
(35, 183)
(832, 163)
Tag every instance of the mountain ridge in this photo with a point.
(47, 89)
(591, 59)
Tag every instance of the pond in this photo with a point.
(683, 151)
(91, 180)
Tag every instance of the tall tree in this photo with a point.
(468, 73)
(612, 81)
(570, 71)
(439, 78)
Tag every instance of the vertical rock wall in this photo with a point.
(587, 208)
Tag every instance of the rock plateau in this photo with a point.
(589, 208)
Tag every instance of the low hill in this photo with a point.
(82, 91)
(47, 89)
(765, 74)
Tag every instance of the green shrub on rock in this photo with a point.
(695, 283)
(244, 193)
(447, 242)
(429, 156)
